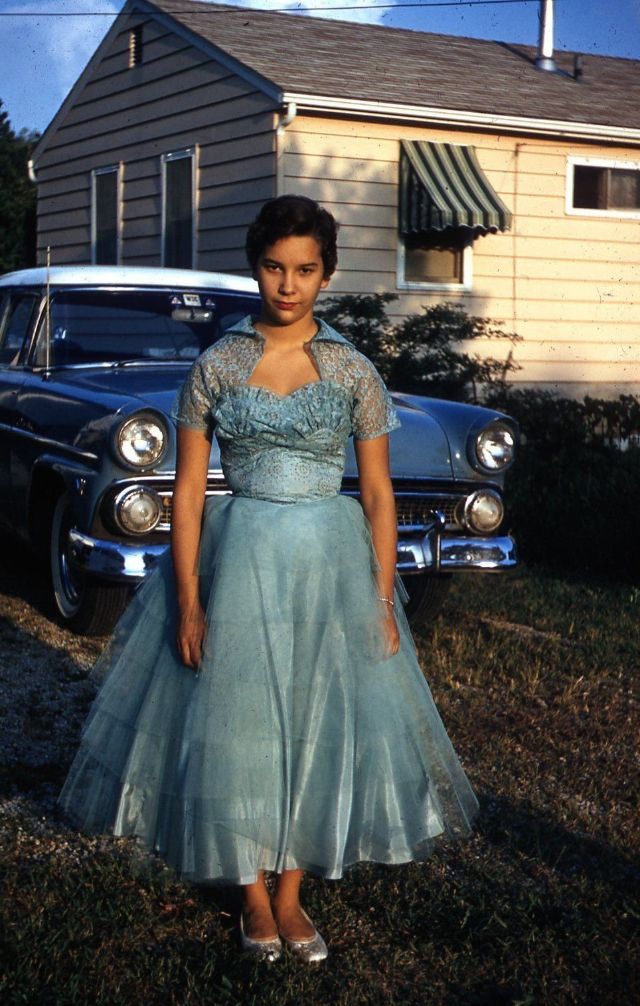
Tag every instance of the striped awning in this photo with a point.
(442, 186)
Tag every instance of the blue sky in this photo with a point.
(42, 51)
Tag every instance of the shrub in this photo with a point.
(572, 493)
(420, 354)
(575, 507)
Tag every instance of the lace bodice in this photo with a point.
(290, 447)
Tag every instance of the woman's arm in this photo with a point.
(188, 503)
(378, 503)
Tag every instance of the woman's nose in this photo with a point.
(287, 284)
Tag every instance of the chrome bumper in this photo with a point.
(112, 560)
(441, 553)
(120, 563)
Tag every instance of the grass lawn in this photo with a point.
(535, 677)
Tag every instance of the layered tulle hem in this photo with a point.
(300, 743)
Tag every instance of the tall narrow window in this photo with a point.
(135, 46)
(178, 209)
(104, 215)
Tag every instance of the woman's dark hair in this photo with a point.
(296, 216)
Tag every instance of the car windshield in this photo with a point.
(114, 326)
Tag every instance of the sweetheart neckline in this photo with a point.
(289, 394)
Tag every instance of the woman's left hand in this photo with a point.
(391, 632)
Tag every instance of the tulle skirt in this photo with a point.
(299, 743)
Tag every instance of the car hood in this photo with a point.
(418, 448)
(154, 386)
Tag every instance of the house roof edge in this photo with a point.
(426, 114)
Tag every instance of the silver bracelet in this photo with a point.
(387, 600)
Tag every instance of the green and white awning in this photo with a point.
(442, 186)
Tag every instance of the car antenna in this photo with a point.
(47, 320)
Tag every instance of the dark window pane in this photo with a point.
(589, 187)
(624, 189)
(106, 196)
(178, 234)
(18, 323)
(433, 259)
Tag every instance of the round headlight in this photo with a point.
(141, 441)
(495, 447)
(138, 510)
(483, 511)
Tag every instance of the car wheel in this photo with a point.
(427, 593)
(88, 607)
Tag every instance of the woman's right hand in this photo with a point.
(192, 629)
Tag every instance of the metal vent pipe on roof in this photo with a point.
(544, 59)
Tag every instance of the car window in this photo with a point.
(102, 326)
(16, 325)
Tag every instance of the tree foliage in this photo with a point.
(427, 353)
(17, 197)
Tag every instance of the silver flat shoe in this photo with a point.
(311, 950)
(269, 950)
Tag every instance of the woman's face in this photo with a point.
(290, 275)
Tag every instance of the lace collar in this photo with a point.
(325, 332)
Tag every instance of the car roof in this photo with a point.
(128, 276)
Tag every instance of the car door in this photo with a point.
(18, 311)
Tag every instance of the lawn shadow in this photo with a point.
(45, 696)
(23, 576)
(535, 834)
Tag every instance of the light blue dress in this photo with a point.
(299, 743)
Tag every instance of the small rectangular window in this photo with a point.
(436, 259)
(105, 216)
(135, 46)
(178, 210)
(599, 187)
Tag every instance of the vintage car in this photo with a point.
(91, 358)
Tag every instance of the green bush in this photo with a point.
(572, 492)
(575, 507)
(420, 354)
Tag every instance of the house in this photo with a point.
(458, 169)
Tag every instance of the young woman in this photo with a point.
(264, 710)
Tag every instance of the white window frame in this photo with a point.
(176, 155)
(464, 287)
(597, 162)
(109, 169)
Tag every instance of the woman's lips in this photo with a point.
(284, 305)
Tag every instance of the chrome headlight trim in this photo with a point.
(483, 511)
(495, 447)
(140, 441)
(137, 509)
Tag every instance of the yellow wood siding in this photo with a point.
(570, 285)
(176, 98)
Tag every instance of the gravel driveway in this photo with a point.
(44, 691)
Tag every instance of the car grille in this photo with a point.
(414, 510)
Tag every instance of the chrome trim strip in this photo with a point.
(112, 560)
(87, 455)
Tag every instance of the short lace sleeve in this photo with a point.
(197, 397)
(372, 412)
